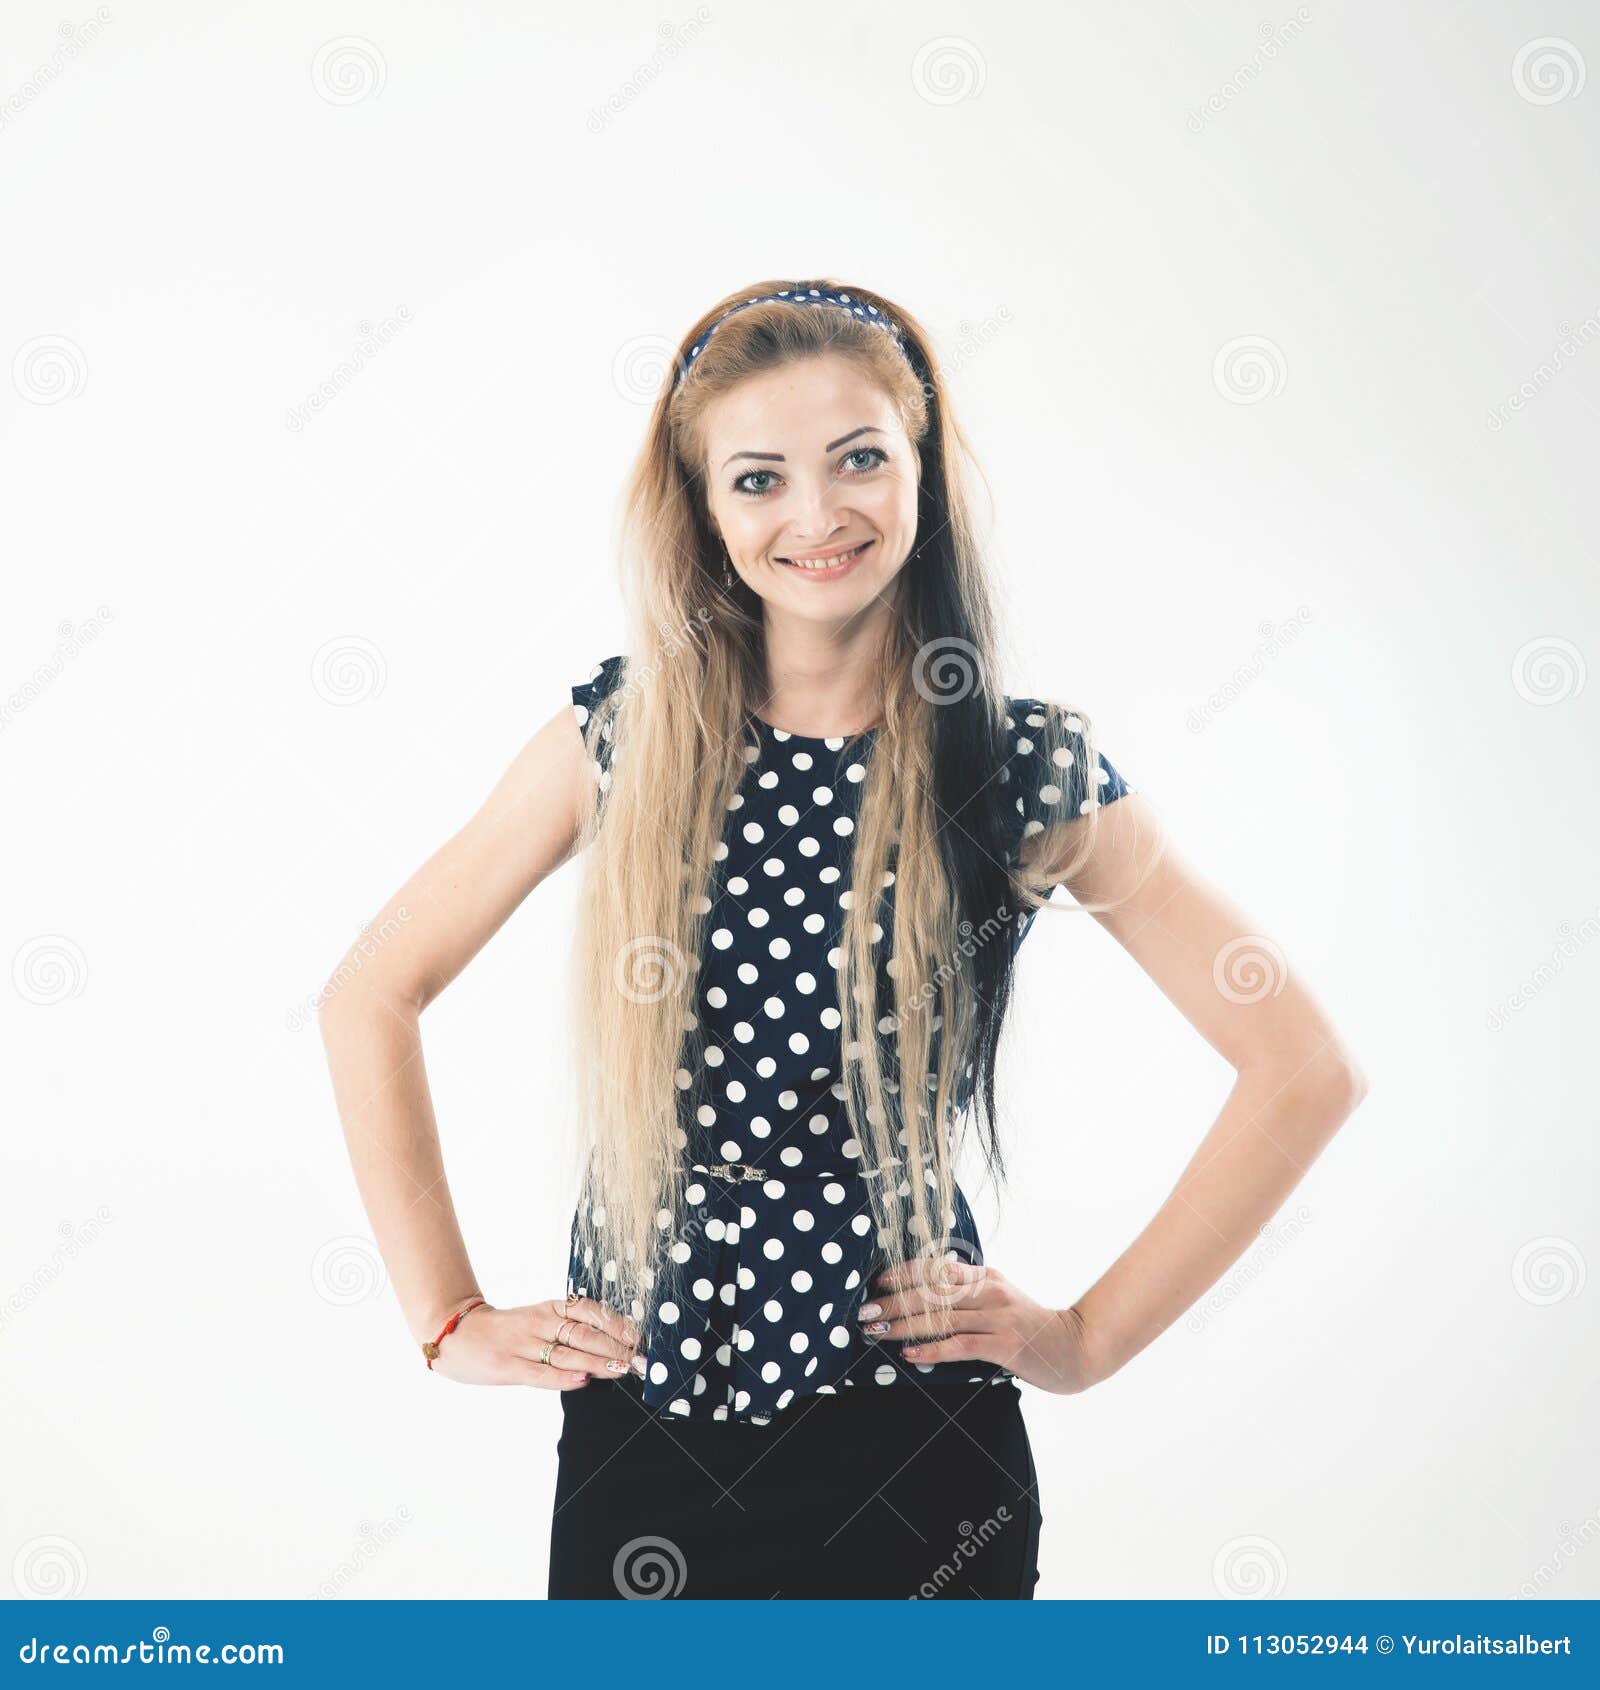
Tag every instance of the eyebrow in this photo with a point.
(778, 457)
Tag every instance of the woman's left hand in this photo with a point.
(946, 1310)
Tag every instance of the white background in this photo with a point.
(254, 674)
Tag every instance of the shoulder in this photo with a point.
(1054, 768)
(590, 706)
(603, 680)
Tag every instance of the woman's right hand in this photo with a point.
(493, 1346)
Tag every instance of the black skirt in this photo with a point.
(901, 1491)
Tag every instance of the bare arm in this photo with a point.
(426, 934)
(1296, 1083)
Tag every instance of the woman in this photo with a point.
(815, 835)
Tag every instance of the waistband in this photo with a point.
(740, 1173)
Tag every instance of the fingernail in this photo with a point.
(868, 1310)
(878, 1326)
(637, 1364)
(614, 1366)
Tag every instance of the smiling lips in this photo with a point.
(827, 568)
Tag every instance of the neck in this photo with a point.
(823, 681)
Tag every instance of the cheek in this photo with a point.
(748, 528)
(894, 508)
(729, 518)
(895, 497)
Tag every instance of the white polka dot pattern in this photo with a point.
(758, 1304)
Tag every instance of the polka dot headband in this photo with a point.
(803, 296)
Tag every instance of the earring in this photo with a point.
(727, 573)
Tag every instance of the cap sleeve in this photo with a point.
(1047, 776)
(588, 700)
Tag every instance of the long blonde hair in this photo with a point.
(932, 819)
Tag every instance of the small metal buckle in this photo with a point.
(736, 1171)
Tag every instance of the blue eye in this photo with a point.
(874, 454)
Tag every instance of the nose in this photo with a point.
(815, 519)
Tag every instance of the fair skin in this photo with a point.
(814, 488)
(1295, 1084)
(808, 458)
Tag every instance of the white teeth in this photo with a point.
(828, 562)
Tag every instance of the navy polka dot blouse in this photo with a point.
(761, 1305)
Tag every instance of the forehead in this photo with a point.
(798, 407)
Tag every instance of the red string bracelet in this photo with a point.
(431, 1351)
